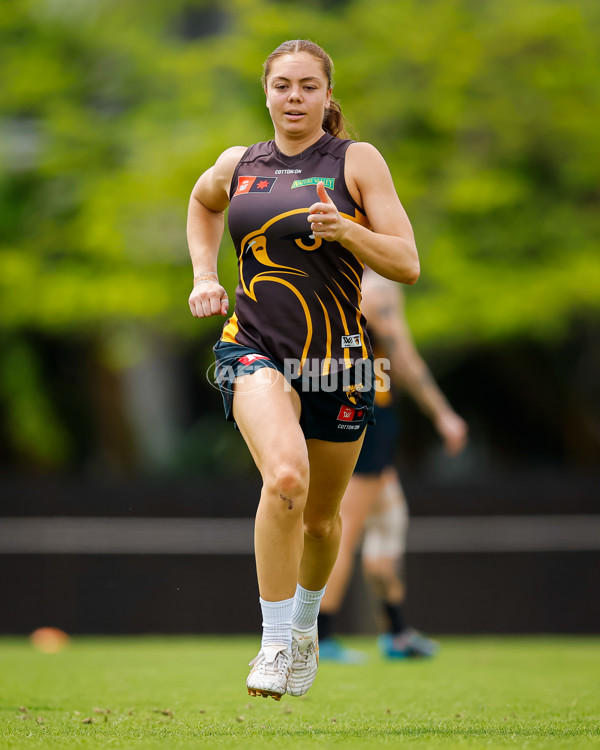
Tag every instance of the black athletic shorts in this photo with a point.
(336, 409)
(378, 448)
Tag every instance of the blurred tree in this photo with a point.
(486, 112)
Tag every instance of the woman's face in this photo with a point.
(297, 93)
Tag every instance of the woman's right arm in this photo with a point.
(209, 199)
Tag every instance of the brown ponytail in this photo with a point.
(334, 121)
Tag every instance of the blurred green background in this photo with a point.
(487, 113)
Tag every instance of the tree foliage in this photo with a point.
(486, 112)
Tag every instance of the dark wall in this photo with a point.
(452, 593)
(459, 592)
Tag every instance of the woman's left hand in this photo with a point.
(324, 218)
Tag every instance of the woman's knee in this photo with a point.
(322, 527)
(288, 480)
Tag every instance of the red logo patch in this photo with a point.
(350, 414)
(252, 184)
(346, 414)
(248, 359)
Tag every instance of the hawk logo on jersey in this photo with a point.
(258, 265)
(251, 184)
(352, 340)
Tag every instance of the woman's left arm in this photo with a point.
(389, 246)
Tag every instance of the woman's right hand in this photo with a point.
(208, 298)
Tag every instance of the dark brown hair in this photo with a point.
(333, 119)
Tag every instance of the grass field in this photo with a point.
(190, 693)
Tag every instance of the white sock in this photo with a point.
(277, 622)
(306, 607)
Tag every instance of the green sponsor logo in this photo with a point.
(329, 182)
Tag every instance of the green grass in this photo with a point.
(189, 693)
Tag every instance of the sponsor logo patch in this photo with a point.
(248, 359)
(329, 182)
(351, 341)
(350, 414)
(252, 184)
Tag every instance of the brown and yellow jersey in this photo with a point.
(298, 296)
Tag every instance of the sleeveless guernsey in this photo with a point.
(298, 297)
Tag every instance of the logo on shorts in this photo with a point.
(250, 184)
(350, 414)
(248, 359)
(350, 341)
(353, 392)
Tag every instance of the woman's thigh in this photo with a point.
(267, 413)
(331, 466)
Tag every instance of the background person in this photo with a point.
(374, 501)
(298, 297)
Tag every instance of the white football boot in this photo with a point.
(270, 670)
(305, 660)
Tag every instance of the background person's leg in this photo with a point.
(383, 555)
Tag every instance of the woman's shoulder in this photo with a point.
(231, 157)
(365, 165)
(226, 164)
(362, 151)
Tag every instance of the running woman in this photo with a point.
(307, 211)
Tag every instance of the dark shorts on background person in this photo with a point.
(339, 415)
(377, 452)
